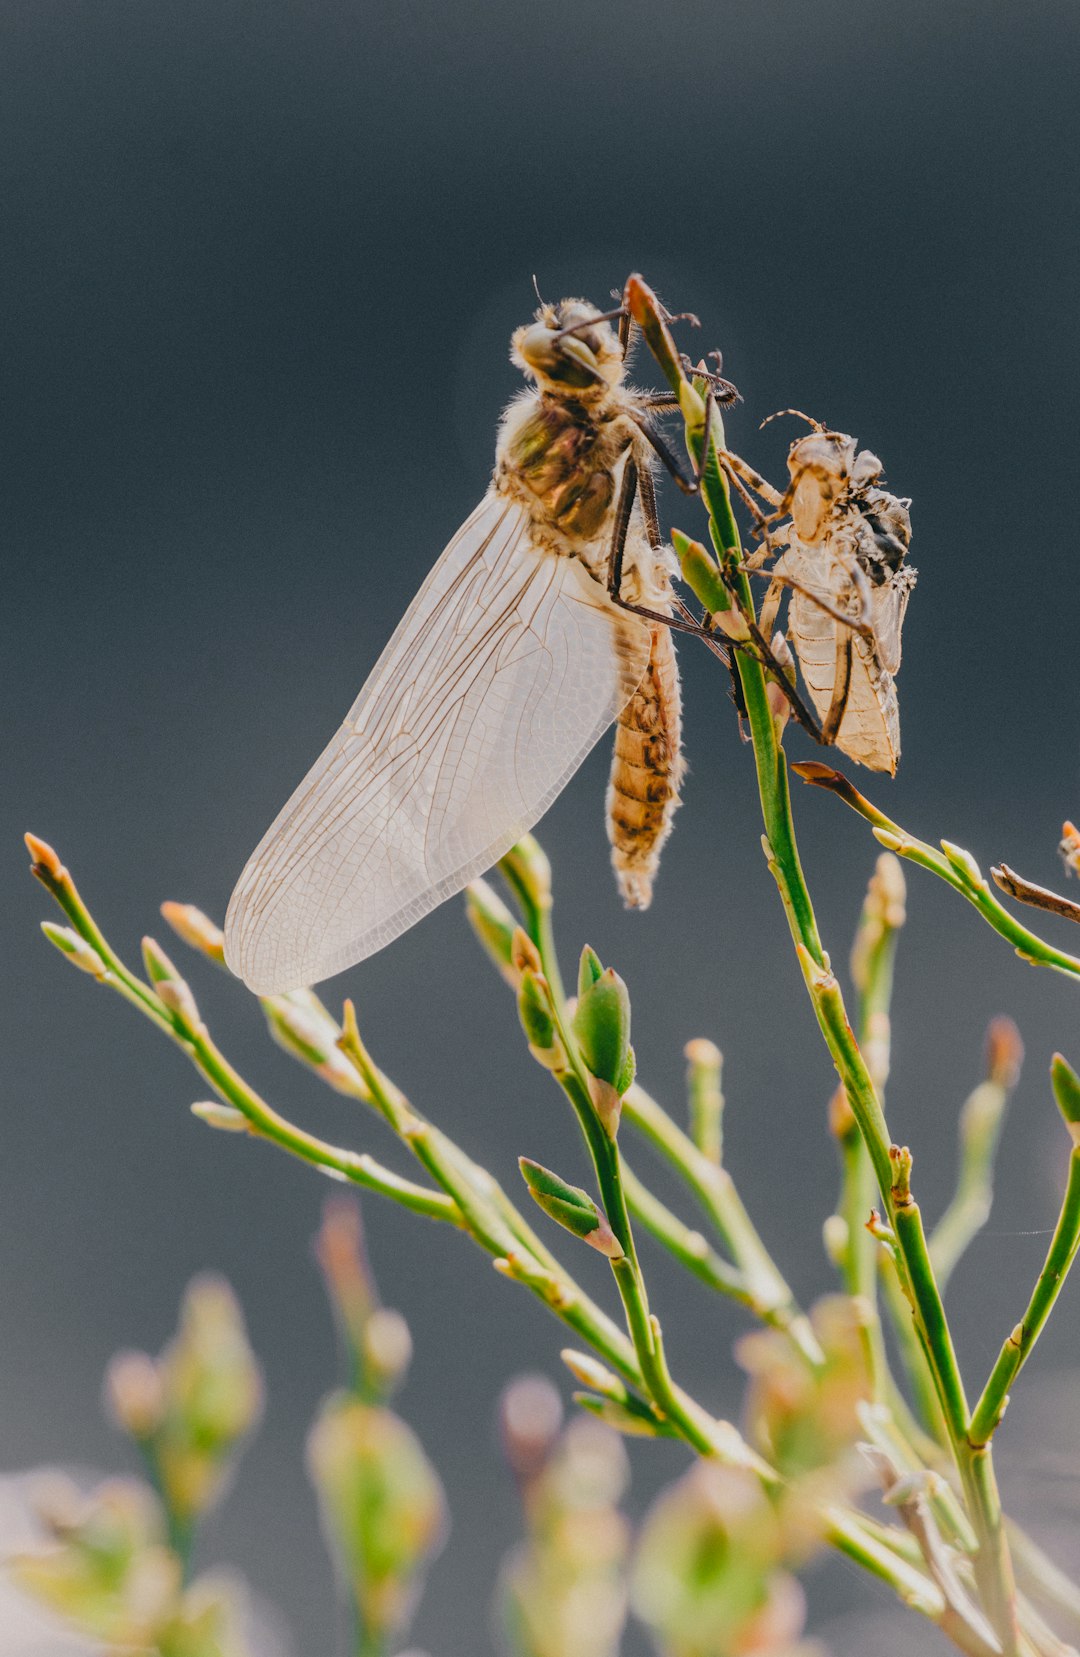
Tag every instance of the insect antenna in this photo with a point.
(799, 415)
(536, 291)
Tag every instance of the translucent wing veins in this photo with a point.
(505, 670)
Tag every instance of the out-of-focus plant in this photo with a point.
(935, 1532)
(562, 1590)
(115, 1564)
(382, 1504)
(709, 1577)
(189, 1409)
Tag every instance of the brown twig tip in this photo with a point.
(1004, 1052)
(1039, 897)
(813, 771)
(823, 776)
(44, 861)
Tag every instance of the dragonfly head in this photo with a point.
(569, 347)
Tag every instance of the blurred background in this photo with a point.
(261, 266)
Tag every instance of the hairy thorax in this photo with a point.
(562, 458)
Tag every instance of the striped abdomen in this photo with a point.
(646, 771)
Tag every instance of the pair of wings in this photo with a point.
(507, 667)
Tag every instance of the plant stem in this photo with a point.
(1014, 1353)
(969, 1208)
(992, 1561)
(956, 867)
(770, 1295)
(530, 882)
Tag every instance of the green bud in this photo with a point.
(527, 872)
(524, 955)
(963, 863)
(701, 573)
(159, 969)
(382, 1506)
(602, 1027)
(493, 925)
(537, 1017)
(570, 1207)
(78, 951)
(590, 969)
(1066, 1085)
(633, 1422)
(170, 988)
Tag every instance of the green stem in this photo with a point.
(969, 1208)
(915, 1363)
(992, 1561)
(1014, 1354)
(687, 1246)
(771, 1298)
(956, 867)
(693, 1423)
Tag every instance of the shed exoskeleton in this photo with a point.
(840, 541)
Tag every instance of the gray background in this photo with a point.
(260, 266)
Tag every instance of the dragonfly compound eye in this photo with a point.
(564, 359)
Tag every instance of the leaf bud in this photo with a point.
(78, 951)
(217, 1115)
(196, 930)
(570, 1207)
(602, 1028)
(493, 925)
(1066, 1085)
(537, 1017)
(528, 873)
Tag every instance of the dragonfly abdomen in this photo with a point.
(646, 771)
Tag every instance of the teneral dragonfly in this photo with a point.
(842, 555)
(547, 617)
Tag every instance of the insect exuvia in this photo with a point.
(843, 551)
(547, 617)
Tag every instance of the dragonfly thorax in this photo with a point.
(561, 458)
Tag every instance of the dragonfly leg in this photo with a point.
(833, 720)
(637, 485)
(687, 477)
(647, 501)
(770, 604)
(857, 623)
(737, 466)
(764, 653)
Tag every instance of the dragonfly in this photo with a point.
(548, 617)
(842, 550)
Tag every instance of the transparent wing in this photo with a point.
(504, 671)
